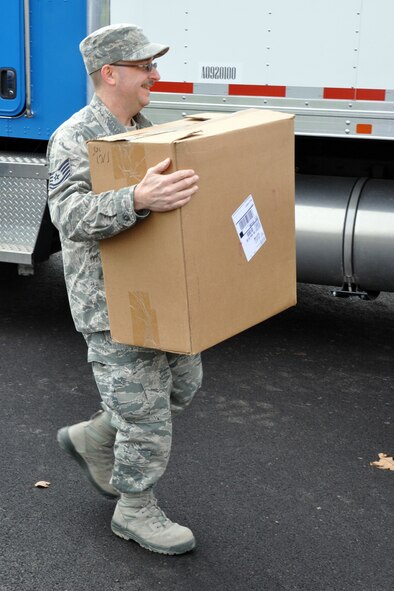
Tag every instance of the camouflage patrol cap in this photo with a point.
(118, 42)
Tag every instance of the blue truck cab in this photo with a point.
(42, 83)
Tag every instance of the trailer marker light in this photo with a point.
(365, 128)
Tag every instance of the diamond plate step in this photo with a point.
(23, 196)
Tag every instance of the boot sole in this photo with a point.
(127, 535)
(67, 445)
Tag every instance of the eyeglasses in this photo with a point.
(144, 67)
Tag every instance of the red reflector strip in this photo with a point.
(339, 93)
(352, 94)
(253, 90)
(370, 94)
(364, 128)
(355, 94)
(181, 87)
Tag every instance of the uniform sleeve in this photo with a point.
(78, 213)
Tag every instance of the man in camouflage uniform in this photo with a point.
(124, 448)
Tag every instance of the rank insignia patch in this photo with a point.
(61, 174)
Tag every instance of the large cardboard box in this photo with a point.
(185, 280)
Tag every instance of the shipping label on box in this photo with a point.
(248, 226)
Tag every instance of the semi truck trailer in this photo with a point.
(330, 64)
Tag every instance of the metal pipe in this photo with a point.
(345, 232)
(26, 9)
(98, 15)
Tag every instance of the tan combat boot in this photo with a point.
(91, 443)
(137, 517)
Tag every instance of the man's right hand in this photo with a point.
(164, 192)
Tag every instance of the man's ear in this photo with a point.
(107, 74)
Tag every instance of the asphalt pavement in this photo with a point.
(270, 465)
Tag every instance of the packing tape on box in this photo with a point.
(129, 164)
(143, 320)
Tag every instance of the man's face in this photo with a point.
(134, 83)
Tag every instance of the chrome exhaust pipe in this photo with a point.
(345, 233)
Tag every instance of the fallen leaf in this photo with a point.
(385, 462)
(42, 484)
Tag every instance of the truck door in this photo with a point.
(12, 59)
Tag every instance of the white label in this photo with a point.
(249, 229)
(219, 73)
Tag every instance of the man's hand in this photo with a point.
(164, 192)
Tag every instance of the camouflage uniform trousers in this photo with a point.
(143, 389)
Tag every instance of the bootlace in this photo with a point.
(154, 515)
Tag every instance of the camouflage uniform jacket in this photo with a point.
(82, 217)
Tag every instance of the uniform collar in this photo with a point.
(108, 120)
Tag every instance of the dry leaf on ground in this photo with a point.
(42, 484)
(385, 462)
